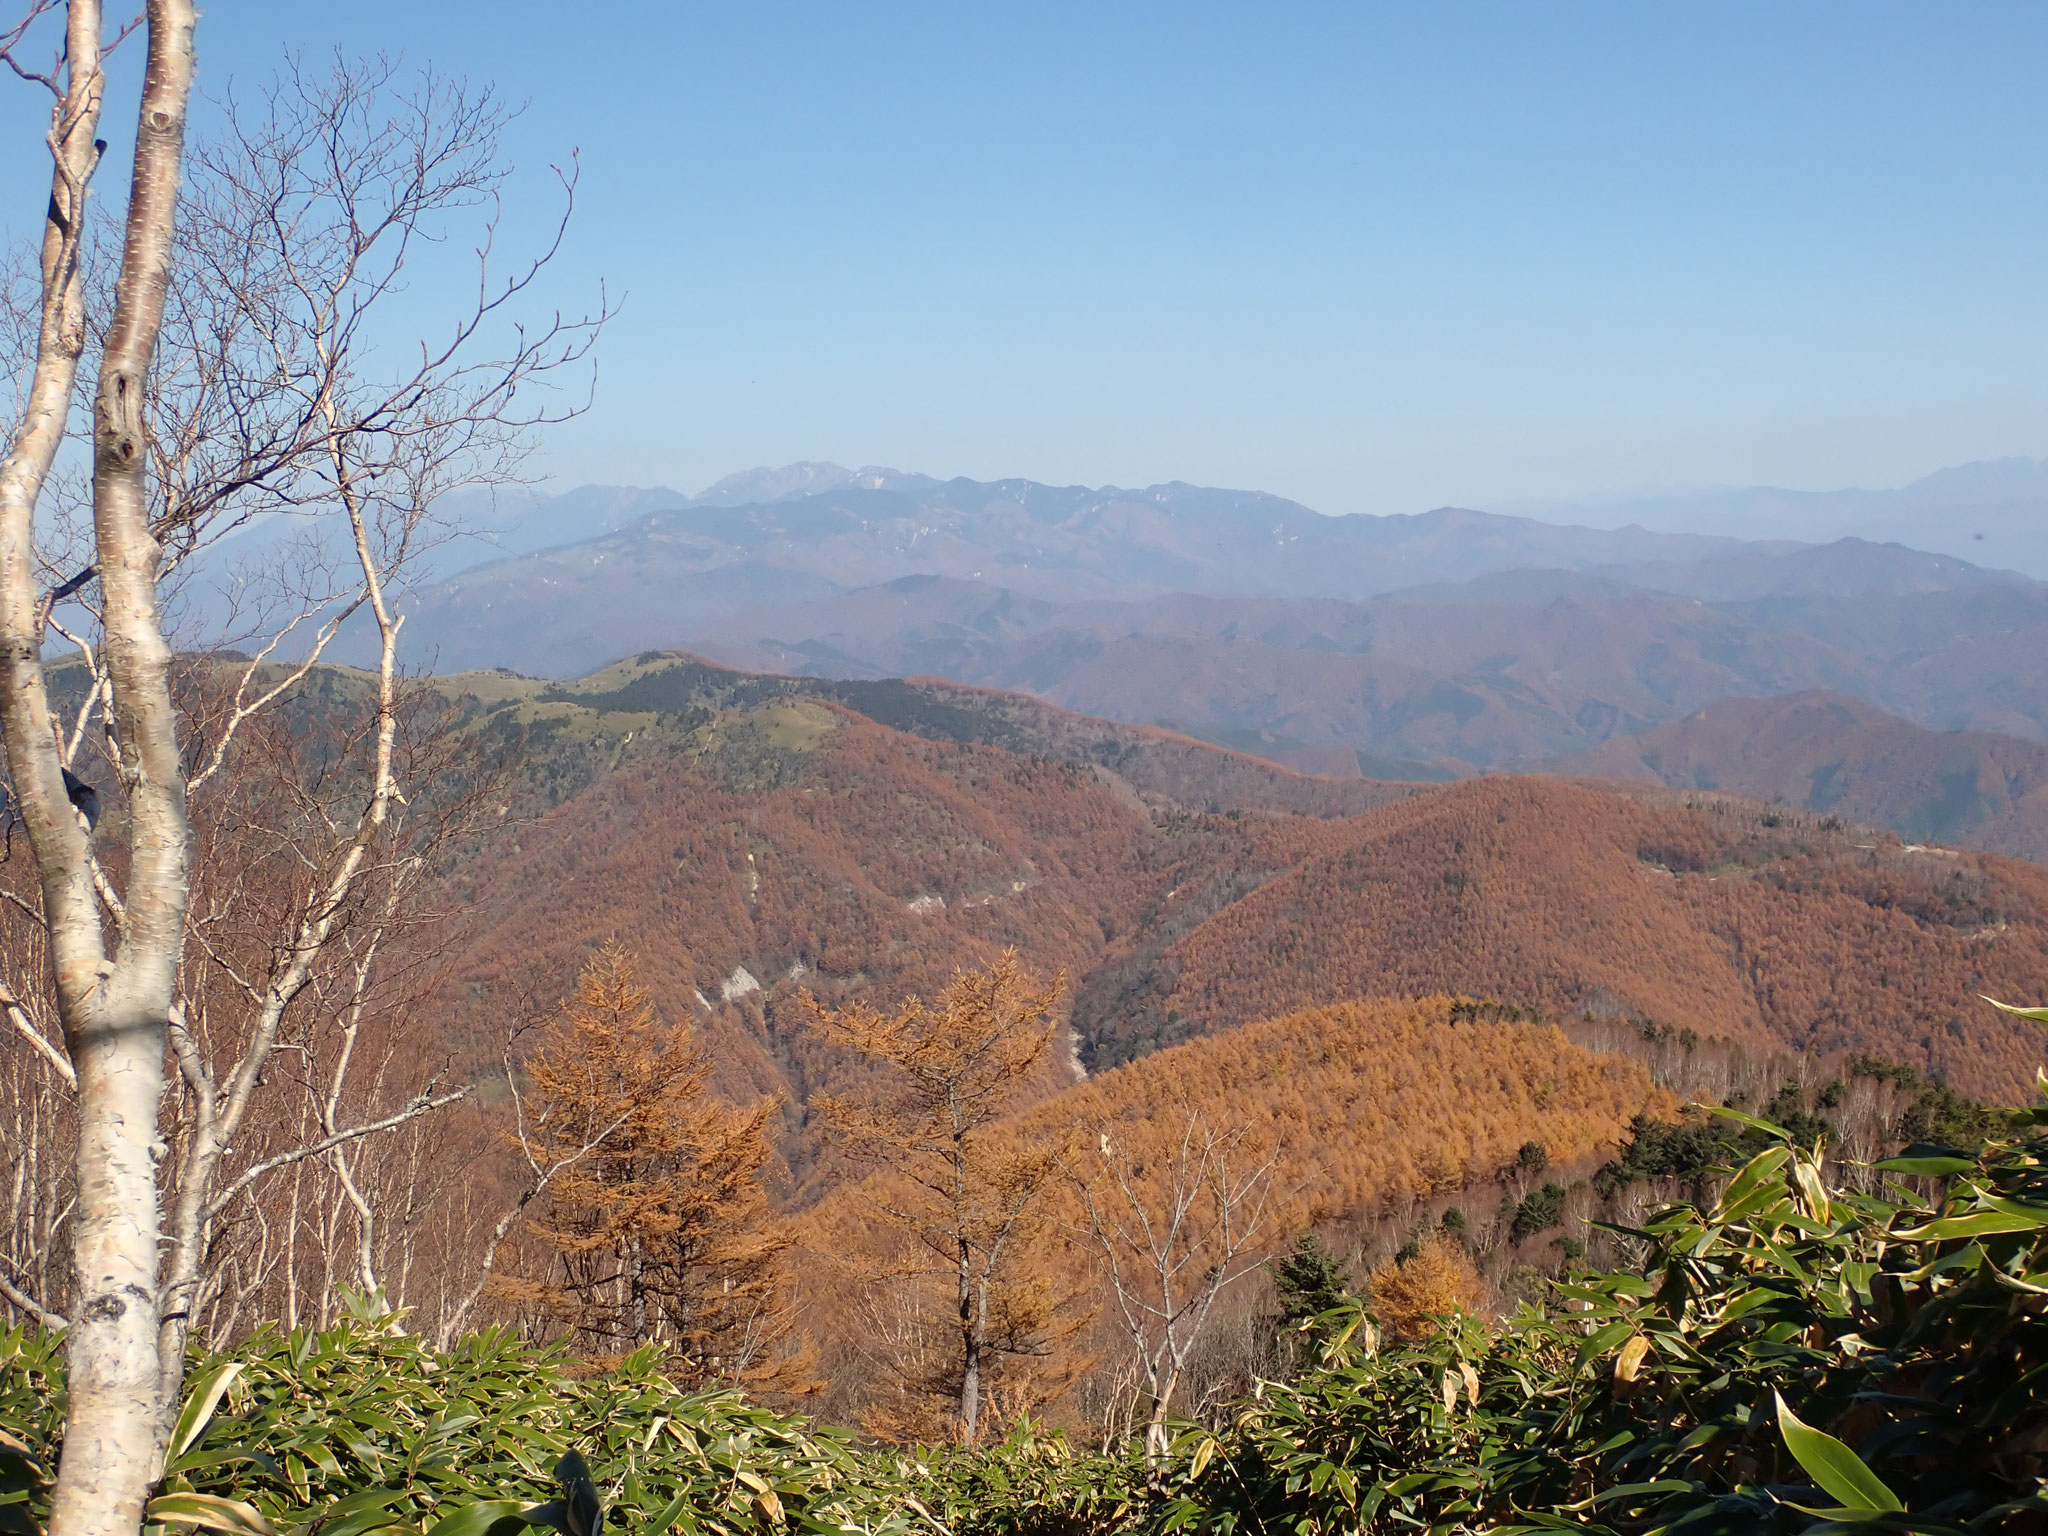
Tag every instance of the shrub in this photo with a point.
(1785, 1358)
(366, 1425)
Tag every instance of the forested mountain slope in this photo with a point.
(1494, 672)
(759, 837)
(1825, 752)
(1718, 916)
(1347, 1118)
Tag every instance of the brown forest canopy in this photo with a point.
(781, 841)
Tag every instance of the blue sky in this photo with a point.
(1378, 258)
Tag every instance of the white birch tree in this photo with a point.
(270, 394)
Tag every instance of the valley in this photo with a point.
(777, 834)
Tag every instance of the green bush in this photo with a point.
(361, 1428)
(1785, 1358)
(1788, 1358)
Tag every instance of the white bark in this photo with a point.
(317, 432)
(114, 1006)
(1170, 1251)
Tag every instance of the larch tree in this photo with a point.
(945, 1171)
(655, 1220)
(237, 374)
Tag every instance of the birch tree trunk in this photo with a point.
(320, 434)
(970, 1350)
(114, 1007)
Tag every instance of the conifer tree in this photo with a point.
(1309, 1280)
(656, 1221)
(965, 1196)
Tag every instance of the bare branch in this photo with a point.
(37, 1040)
(15, 1297)
(423, 1104)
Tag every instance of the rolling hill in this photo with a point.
(1714, 916)
(1823, 752)
(1437, 681)
(752, 836)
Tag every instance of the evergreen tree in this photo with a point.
(1309, 1280)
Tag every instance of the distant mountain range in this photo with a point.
(673, 573)
(1421, 647)
(602, 571)
(1455, 678)
(1990, 513)
(1823, 752)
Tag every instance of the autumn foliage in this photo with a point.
(655, 1226)
(963, 1198)
(1347, 1114)
(742, 1135)
(1412, 1295)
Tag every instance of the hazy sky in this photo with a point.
(1376, 257)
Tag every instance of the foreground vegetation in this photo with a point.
(1785, 1357)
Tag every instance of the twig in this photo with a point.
(419, 1106)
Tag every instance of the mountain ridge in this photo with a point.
(754, 837)
(1825, 752)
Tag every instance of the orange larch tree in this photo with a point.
(655, 1218)
(962, 1188)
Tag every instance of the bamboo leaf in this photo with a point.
(1834, 1466)
(1925, 1167)
(1752, 1182)
(2038, 1015)
(475, 1519)
(1975, 1224)
(208, 1511)
(1752, 1121)
(199, 1408)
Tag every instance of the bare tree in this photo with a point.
(276, 393)
(114, 1001)
(1174, 1229)
(547, 1153)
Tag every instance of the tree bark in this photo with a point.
(1157, 1442)
(115, 1009)
(970, 1350)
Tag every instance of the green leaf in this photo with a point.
(475, 1519)
(1637, 1490)
(1974, 1224)
(1751, 1121)
(1925, 1167)
(208, 1511)
(1605, 1339)
(1833, 1465)
(1753, 1185)
(199, 1408)
(2038, 1015)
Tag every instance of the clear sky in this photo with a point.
(1379, 258)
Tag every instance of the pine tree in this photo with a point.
(1309, 1280)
